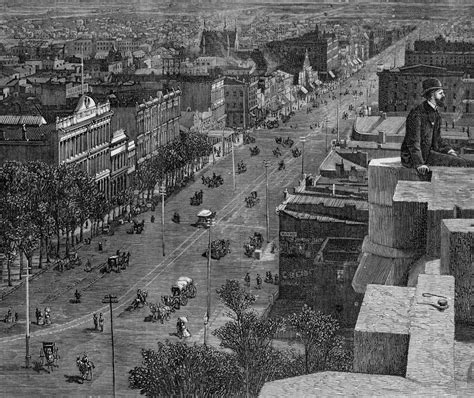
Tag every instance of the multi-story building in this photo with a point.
(400, 88)
(219, 43)
(157, 122)
(84, 138)
(453, 55)
(240, 101)
(204, 93)
(322, 49)
(119, 162)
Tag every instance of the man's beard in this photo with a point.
(440, 102)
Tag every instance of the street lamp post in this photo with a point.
(27, 334)
(233, 161)
(266, 163)
(207, 318)
(326, 135)
(111, 299)
(303, 140)
(163, 193)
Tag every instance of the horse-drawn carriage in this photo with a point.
(287, 142)
(255, 242)
(115, 263)
(205, 217)
(160, 312)
(241, 167)
(248, 139)
(296, 153)
(196, 200)
(214, 181)
(137, 227)
(254, 151)
(184, 288)
(219, 248)
(49, 356)
(252, 200)
(277, 152)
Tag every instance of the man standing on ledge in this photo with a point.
(423, 145)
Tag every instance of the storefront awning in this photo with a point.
(332, 74)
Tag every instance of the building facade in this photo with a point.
(84, 138)
(400, 89)
(458, 55)
(240, 101)
(157, 123)
(204, 93)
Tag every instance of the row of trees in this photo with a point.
(39, 202)
(250, 360)
(173, 162)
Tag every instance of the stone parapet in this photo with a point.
(384, 175)
(457, 247)
(381, 335)
(393, 242)
(340, 384)
(431, 349)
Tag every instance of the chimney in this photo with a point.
(382, 137)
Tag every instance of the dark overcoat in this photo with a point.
(423, 134)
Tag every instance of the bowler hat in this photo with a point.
(431, 85)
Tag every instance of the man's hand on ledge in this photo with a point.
(452, 152)
(423, 169)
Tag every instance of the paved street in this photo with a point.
(72, 327)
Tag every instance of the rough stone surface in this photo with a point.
(431, 349)
(457, 245)
(381, 335)
(331, 384)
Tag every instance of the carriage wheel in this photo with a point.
(183, 300)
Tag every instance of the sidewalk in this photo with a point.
(84, 251)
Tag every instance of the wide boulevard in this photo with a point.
(72, 327)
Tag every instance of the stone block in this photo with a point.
(431, 350)
(457, 246)
(381, 335)
(380, 270)
(384, 175)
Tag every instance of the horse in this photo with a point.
(160, 312)
(85, 368)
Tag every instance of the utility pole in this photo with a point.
(326, 135)
(337, 122)
(163, 193)
(303, 140)
(207, 318)
(233, 160)
(111, 299)
(266, 163)
(27, 334)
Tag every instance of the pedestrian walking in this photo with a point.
(259, 281)
(101, 322)
(16, 317)
(96, 322)
(247, 280)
